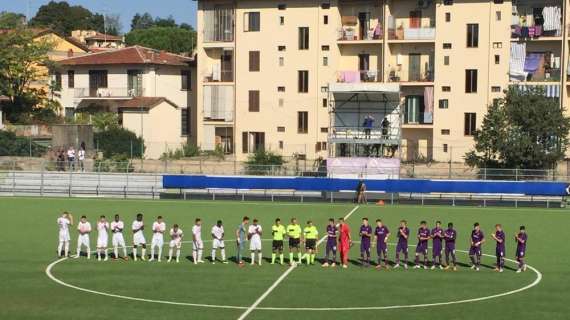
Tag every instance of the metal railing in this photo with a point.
(107, 92)
(358, 76)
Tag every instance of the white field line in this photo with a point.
(283, 276)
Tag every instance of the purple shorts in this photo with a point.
(450, 247)
(422, 247)
(437, 250)
(364, 246)
(500, 251)
(402, 247)
(331, 244)
(475, 251)
(381, 247)
(521, 252)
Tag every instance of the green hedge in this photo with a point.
(119, 142)
(12, 145)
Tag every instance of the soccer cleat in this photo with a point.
(497, 269)
(406, 266)
(326, 264)
(476, 268)
(446, 268)
(519, 270)
(106, 258)
(333, 264)
(397, 265)
(440, 267)
(151, 259)
(524, 267)
(454, 268)
(417, 266)
(213, 262)
(378, 267)
(501, 270)
(201, 261)
(425, 267)
(177, 260)
(225, 262)
(158, 260)
(344, 266)
(432, 268)
(169, 259)
(143, 258)
(473, 267)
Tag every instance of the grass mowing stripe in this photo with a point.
(283, 276)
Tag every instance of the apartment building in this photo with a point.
(278, 74)
(152, 92)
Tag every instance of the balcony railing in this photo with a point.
(527, 27)
(364, 135)
(405, 33)
(419, 118)
(220, 76)
(358, 76)
(107, 92)
(412, 76)
(218, 115)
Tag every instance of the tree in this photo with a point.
(20, 58)
(63, 18)
(264, 163)
(11, 20)
(525, 129)
(113, 25)
(165, 22)
(172, 39)
(119, 142)
(143, 21)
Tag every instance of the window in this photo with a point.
(497, 1)
(303, 38)
(71, 79)
(281, 61)
(470, 122)
(253, 100)
(495, 89)
(447, 45)
(324, 89)
(280, 89)
(252, 22)
(281, 48)
(445, 147)
(497, 59)
(472, 35)
(470, 81)
(414, 109)
(447, 2)
(281, 102)
(325, 48)
(282, 6)
(325, 61)
(446, 88)
(325, 102)
(57, 81)
(321, 146)
(446, 60)
(281, 20)
(326, 5)
(184, 121)
(252, 141)
(303, 81)
(447, 16)
(97, 79)
(445, 132)
(497, 45)
(281, 144)
(253, 61)
(186, 83)
(325, 19)
(324, 130)
(280, 129)
(302, 122)
(443, 103)
(498, 15)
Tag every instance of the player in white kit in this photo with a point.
(102, 238)
(218, 241)
(158, 228)
(117, 227)
(64, 222)
(197, 243)
(254, 234)
(176, 236)
(138, 237)
(84, 228)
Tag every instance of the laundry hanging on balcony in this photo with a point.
(428, 105)
(552, 19)
(550, 91)
(517, 62)
(533, 61)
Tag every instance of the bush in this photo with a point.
(115, 164)
(264, 163)
(186, 150)
(119, 142)
(11, 145)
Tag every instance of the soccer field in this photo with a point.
(88, 289)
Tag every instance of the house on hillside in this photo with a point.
(151, 91)
(97, 41)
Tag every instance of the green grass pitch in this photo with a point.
(29, 238)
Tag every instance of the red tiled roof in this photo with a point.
(145, 102)
(102, 36)
(129, 55)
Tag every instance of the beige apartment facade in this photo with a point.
(268, 72)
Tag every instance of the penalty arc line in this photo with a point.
(283, 276)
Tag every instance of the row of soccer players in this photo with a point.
(338, 236)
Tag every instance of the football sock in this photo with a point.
(281, 258)
(291, 258)
(124, 251)
(259, 257)
(116, 251)
(472, 260)
(273, 256)
(135, 254)
(300, 256)
(59, 248)
(200, 254)
(143, 253)
(66, 248)
(177, 254)
(170, 254)
(195, 256)
(213, 255)
(88, 252)
(152, 252)
(159, 252)
(252, 258)
(223, 252)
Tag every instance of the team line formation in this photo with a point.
(337, 237)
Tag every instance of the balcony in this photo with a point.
(219, 24)
(218, 103)
(413, 76)
(108, 93)
(529, 23)
(358, 76)
(533, 66)
(219, 76)
(358, 31)
(410, 31)
(361, 135)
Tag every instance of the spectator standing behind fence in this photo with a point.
(81, 157)
(368, 124)
(60, 160)
(71, 158)
(361, 192)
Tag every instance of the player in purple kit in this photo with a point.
(381, 233)
(330, 251)
(403, 235)
(450, 235)
(521, 238)
(422, 247)
(477, 240)
(437, 236)
(499, 236)
(365, 242)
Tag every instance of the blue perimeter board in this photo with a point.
(529, 188)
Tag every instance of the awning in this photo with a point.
(388, 92)
(550, 90)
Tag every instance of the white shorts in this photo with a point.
(138, 239)
(157, 240)
(218, 244)
(64, 236)
(176, 243)
(255, 245)
(118, 240)
(197, 245)
(102, 241)
(83, 240)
